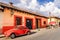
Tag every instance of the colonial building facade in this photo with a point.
(10, 16)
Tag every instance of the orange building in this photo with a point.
(11, 16)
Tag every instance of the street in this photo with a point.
(46, 34)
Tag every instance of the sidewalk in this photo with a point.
(1, 36)
(42, 29)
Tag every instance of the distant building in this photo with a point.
(54, 20)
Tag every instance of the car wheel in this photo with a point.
(28, 33)
(12, 36)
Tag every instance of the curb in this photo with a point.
(1, 36)
(36, 30)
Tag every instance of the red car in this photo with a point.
(19, 30)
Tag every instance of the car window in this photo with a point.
(21, 27)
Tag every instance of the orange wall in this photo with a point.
(36, 17)
(42, 19)
(8, 19)
(42, 22)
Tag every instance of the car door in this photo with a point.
(20, 32)
(25, 30)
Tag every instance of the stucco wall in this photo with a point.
(53, 19)
(42, 22)
(1, 19)
(9, 19)
(25, 15)
(42, 19)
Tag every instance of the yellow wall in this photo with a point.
(53, 19)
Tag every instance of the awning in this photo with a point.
(52, 22)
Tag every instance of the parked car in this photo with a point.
(19, 30)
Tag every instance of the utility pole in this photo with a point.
(50, 16)
(58, 21)
(49, 19)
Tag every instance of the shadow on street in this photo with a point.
(26, 34)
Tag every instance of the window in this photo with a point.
(18, 21)
(44, 22)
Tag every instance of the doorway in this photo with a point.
(59, 24)
(38, 23)
(18, 21)
(29, 23)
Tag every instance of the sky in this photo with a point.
(41, 6)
